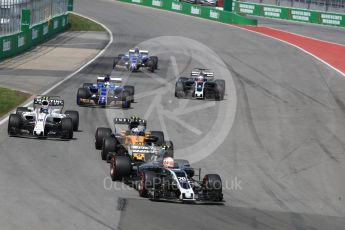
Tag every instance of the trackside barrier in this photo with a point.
(292, 14)
(196, 10)
(14, 44)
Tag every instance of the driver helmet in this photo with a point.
(45, 107)
(106, 84)
(168, 162)
(138, 131)
(200, 78)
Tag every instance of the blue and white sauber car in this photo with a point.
(106, 91)
(135, 60)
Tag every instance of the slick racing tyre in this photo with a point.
(67, 128)
(169, 152)
(155, 61)
(109, 146)
(126, 102)
(100, 134)
(148, 180)
(120, 166)
(87, 85)
(220, 89)
(21, 110)
(116, 60)
(212, 185)
(212, 182)
(151, 66)
(74, 115)
(159, 135)
(13, 124)
(179, 91)
(131, 90)
(83, 93)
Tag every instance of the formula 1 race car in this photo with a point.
(44, 119)
(106, 92)
(201, 85)
(134, 141)
(166, 179)
(136, 59)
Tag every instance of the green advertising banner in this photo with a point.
(16, 43)
(292, 14)
(196, 10)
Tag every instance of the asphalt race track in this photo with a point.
(277, 139)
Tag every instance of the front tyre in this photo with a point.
(13, 124)
(67, 128)
(120, 166)
(100, 134)
(74, 115)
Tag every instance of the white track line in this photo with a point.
(77, 71)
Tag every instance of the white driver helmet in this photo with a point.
(168, 162)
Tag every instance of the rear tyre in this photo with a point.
(87, 85)
(170, 149)
(109, 146)
(155, 61)
(21, 110)
(159, 135)
(131, 90)
(185, 165)
(116, 60)
(100, 134)
(120, 166)
(13, 124)
(67, 128)
(74, 115)
(151, 66)
(220, 89)
(126, 103)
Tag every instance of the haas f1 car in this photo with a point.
(201, 85)
(44, 119)
(134, 141)
(164, 178)
(106, 92)
(136, 59)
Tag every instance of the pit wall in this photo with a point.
(196, 10)
(14, 44)
(291, 14)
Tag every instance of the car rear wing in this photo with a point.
(53, 100)
(197, 73)
(112, 79)
(127, 121)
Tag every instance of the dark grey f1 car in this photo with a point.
(201, 85)
(160, 180)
